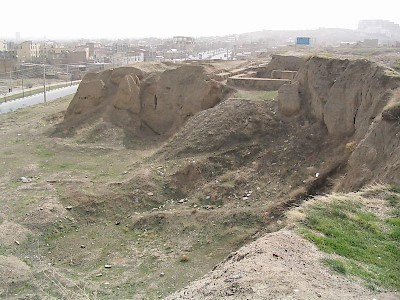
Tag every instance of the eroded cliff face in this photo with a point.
(348, 97)
(377, 156)
(159, 101)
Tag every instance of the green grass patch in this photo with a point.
(30, 92)
(393, 197)
(256, 95)
(65, 166)
(394, 189)
(393, 200)
(42, 151)
(369, 245)
(336, 265)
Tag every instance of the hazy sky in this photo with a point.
(133, 19)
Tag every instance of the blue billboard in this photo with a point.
(301, 40)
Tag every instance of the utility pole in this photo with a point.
(44, 83)
(71, 76)
(66, 77)
(11, 81)
(23, 91)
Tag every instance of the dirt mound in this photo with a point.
(226, 126)
(13, 273)
(239, 145)
(281, 62)
(348, 98)
(11, 232)
(280, 265)
(151, 67)
(155, 103)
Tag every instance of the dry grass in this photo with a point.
(351, 146)
(391, 111)
(299, 214)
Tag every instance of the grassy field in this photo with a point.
(361, 231)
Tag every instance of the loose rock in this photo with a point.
(25, 179)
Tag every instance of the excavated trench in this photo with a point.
(229, 169)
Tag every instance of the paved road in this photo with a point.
(215, 54)
(38, 98)
(221, 55)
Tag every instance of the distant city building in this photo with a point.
(28, 51)
(182, 46)
(184, 40)
(91, 45)
(380, 27)
(3, 46)
(370, 42)
(76, 56)
(232, 38)
(6, 65)
(120, 47)
(135, 56)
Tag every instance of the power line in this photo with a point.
(31, 74)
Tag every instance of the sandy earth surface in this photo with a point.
(280, 265)
(226, 177)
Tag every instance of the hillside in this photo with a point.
(285, 265)
(149, 177)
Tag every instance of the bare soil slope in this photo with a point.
(284, 265)
(240, 145)
(280, 265)
(227, 172)
(348, 97)
(154, 104)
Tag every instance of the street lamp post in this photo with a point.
(44, 83)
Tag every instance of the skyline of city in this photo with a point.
(161, 19)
